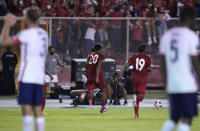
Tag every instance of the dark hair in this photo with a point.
(187, 13)
(50, 47)
(33, 14)
(97, 47)
(141, 48)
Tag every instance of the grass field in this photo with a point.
(89, 119)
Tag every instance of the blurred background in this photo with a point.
(74, 26)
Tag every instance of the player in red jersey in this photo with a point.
(141, 66)
(95, 76)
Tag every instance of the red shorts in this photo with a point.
(139, 87)
(91, 85)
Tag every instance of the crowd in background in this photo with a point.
(99, 8)
(74, 38)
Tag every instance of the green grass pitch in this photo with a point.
(89, 119)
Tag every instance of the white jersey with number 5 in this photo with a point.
(178, 45)
(34, 43)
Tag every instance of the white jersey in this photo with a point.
(178, 45)
(34, 43)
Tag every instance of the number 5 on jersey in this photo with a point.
(140, 64)
(93, 59)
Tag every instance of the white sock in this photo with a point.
(28, 123)
(169, 126)
(183, 127)
(40, 123)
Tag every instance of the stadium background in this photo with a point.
(120, 25)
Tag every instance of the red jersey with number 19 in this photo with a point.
(141, 63)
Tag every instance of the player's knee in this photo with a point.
(139, 98)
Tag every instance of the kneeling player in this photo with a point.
(142, 65)
(95, 76)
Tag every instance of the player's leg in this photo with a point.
(27, 119)
(59, 91)
(25, 100)
(174, 102)
(89, 94)
(189, 110)
(102, 86)
(37, 109)
(141, 87)
(139, 98)
(40, 121)
(44, 92)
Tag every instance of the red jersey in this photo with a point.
(92, 62)
(141, 63)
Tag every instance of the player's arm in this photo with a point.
(99, 65)
(61, 64)
(196, 65)
(5, 39)
(163, 69)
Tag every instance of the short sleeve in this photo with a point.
(162, 46)
(193, 46)
(20, 37)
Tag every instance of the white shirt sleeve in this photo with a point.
(193, 47)
(162, 46)
(22, 37)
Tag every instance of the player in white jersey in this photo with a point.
(181, 67)
(34, 43)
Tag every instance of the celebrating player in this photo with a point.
(34, 42)
(95, 76)
(178, 47)
(142, 65)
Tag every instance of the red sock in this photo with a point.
(103, 103)
(44, 96)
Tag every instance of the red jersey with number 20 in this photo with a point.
(92, 62)
(141, 63)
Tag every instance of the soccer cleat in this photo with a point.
(82, 96)
(104, 109)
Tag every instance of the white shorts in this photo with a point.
(48, 80)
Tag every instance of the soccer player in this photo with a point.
(34, 42)
(95, 76)
(180, 66)
(142, 65)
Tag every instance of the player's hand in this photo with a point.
(10, 19)
(51, 77)
(97, 79)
